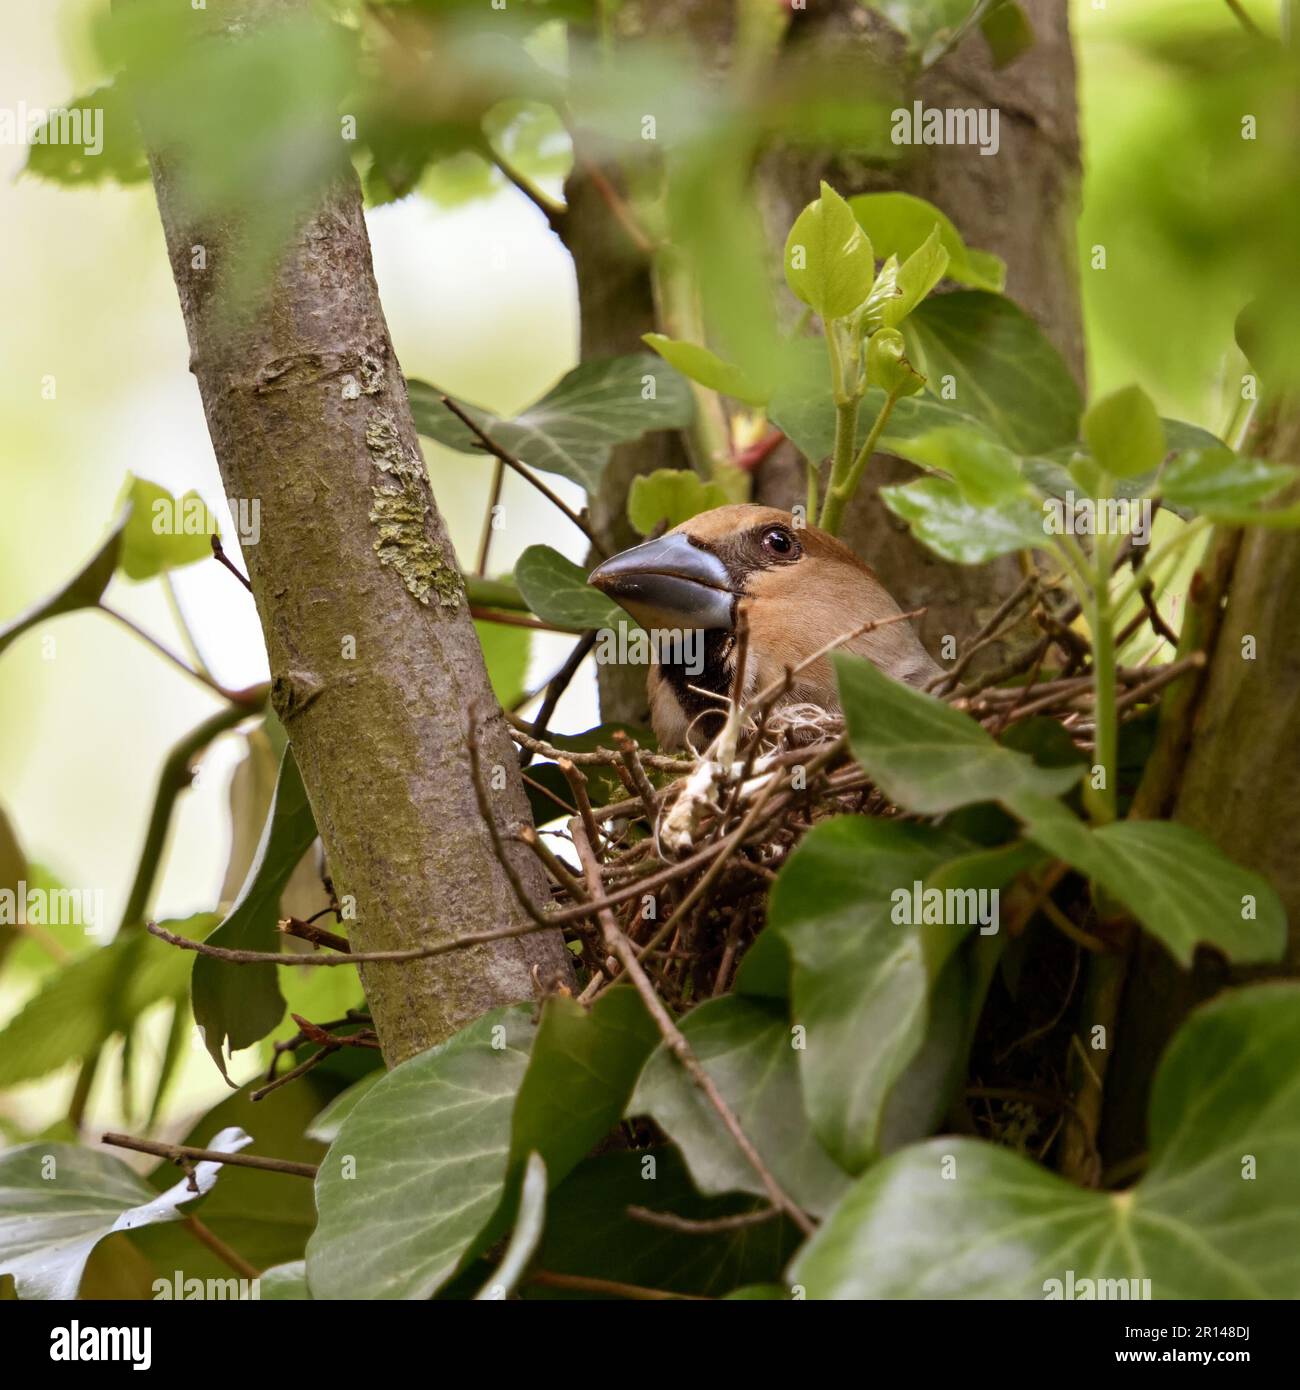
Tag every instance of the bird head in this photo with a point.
(799, 590)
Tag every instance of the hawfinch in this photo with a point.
(800, 589)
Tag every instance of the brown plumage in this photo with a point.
(799, 588)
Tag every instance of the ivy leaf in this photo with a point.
(437, 1129)
(529, 1221)
(917, 276)
(571, 430)
(899, 225)
(163, 532)
(707, 368)
(859, 981)
(1003, 369)
(670, 495)
(1220, 484)
(581, 1071)
(959, 530)
(83, 590)
(985, 472)
(241, 1004)
(325, 1127)
(1124, 433)
(93, 996)
(121, 156)
(286, 1283)
(557, 591)
(746, 1046)
(588, 1227)
(58, 1201)
(928, 757)
(829, 263)
(1181, 888)
(955, 1218)
(506, 650)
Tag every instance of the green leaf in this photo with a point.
(1175, 882)
(121, 157)
(325, 1127)
(95, 995)
(959, 530)
(435, 1129)
(1216, 482)
(1004, 371)
(588, 1228)
(707, 368)
(557, 591)
(58, 1201)
(955, 1218)
(747, 1047)
(162, 532)
(888, 367)
(1124, 433)
(985, 473)
(829, 263)
(928, 757)
(917, 276)
(1008, 33)
(83, 590)
(859, 982)
(670, 495)
(927, 25)
(286, 1283)
(506, 650)
(899, 224)
(267, 1217)
(529, 1221)
(581, 1071)
(571, 430)
(241, 1004)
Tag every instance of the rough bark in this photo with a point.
(308, 413)
(1238, 784)
(1020, 204)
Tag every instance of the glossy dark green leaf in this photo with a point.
(286, 1283)
(589, 1231)
(581, 1071)
(748, 1047)
(58, 1201)
(436, 1130)
(928, 757)
(1000, 366)
(1181, 888)
(1217, 1214)
(571, 430)
(966, 533)
(527, 1232)
(239, 1005)
(557, 591)
(859, 981)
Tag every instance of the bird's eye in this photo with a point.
(779, 542)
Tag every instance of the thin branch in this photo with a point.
(684, 1225)
(582, 1284)
(236, 697)
(318, 936)
(489, 445)
(182, 1153)
(222, 558)
(489, 516)
(1245, 20)
(674, 1039)
(227, 1254)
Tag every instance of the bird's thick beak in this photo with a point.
(668, 583)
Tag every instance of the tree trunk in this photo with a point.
(375, 663)
(1020, 204)
(1234, 780)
